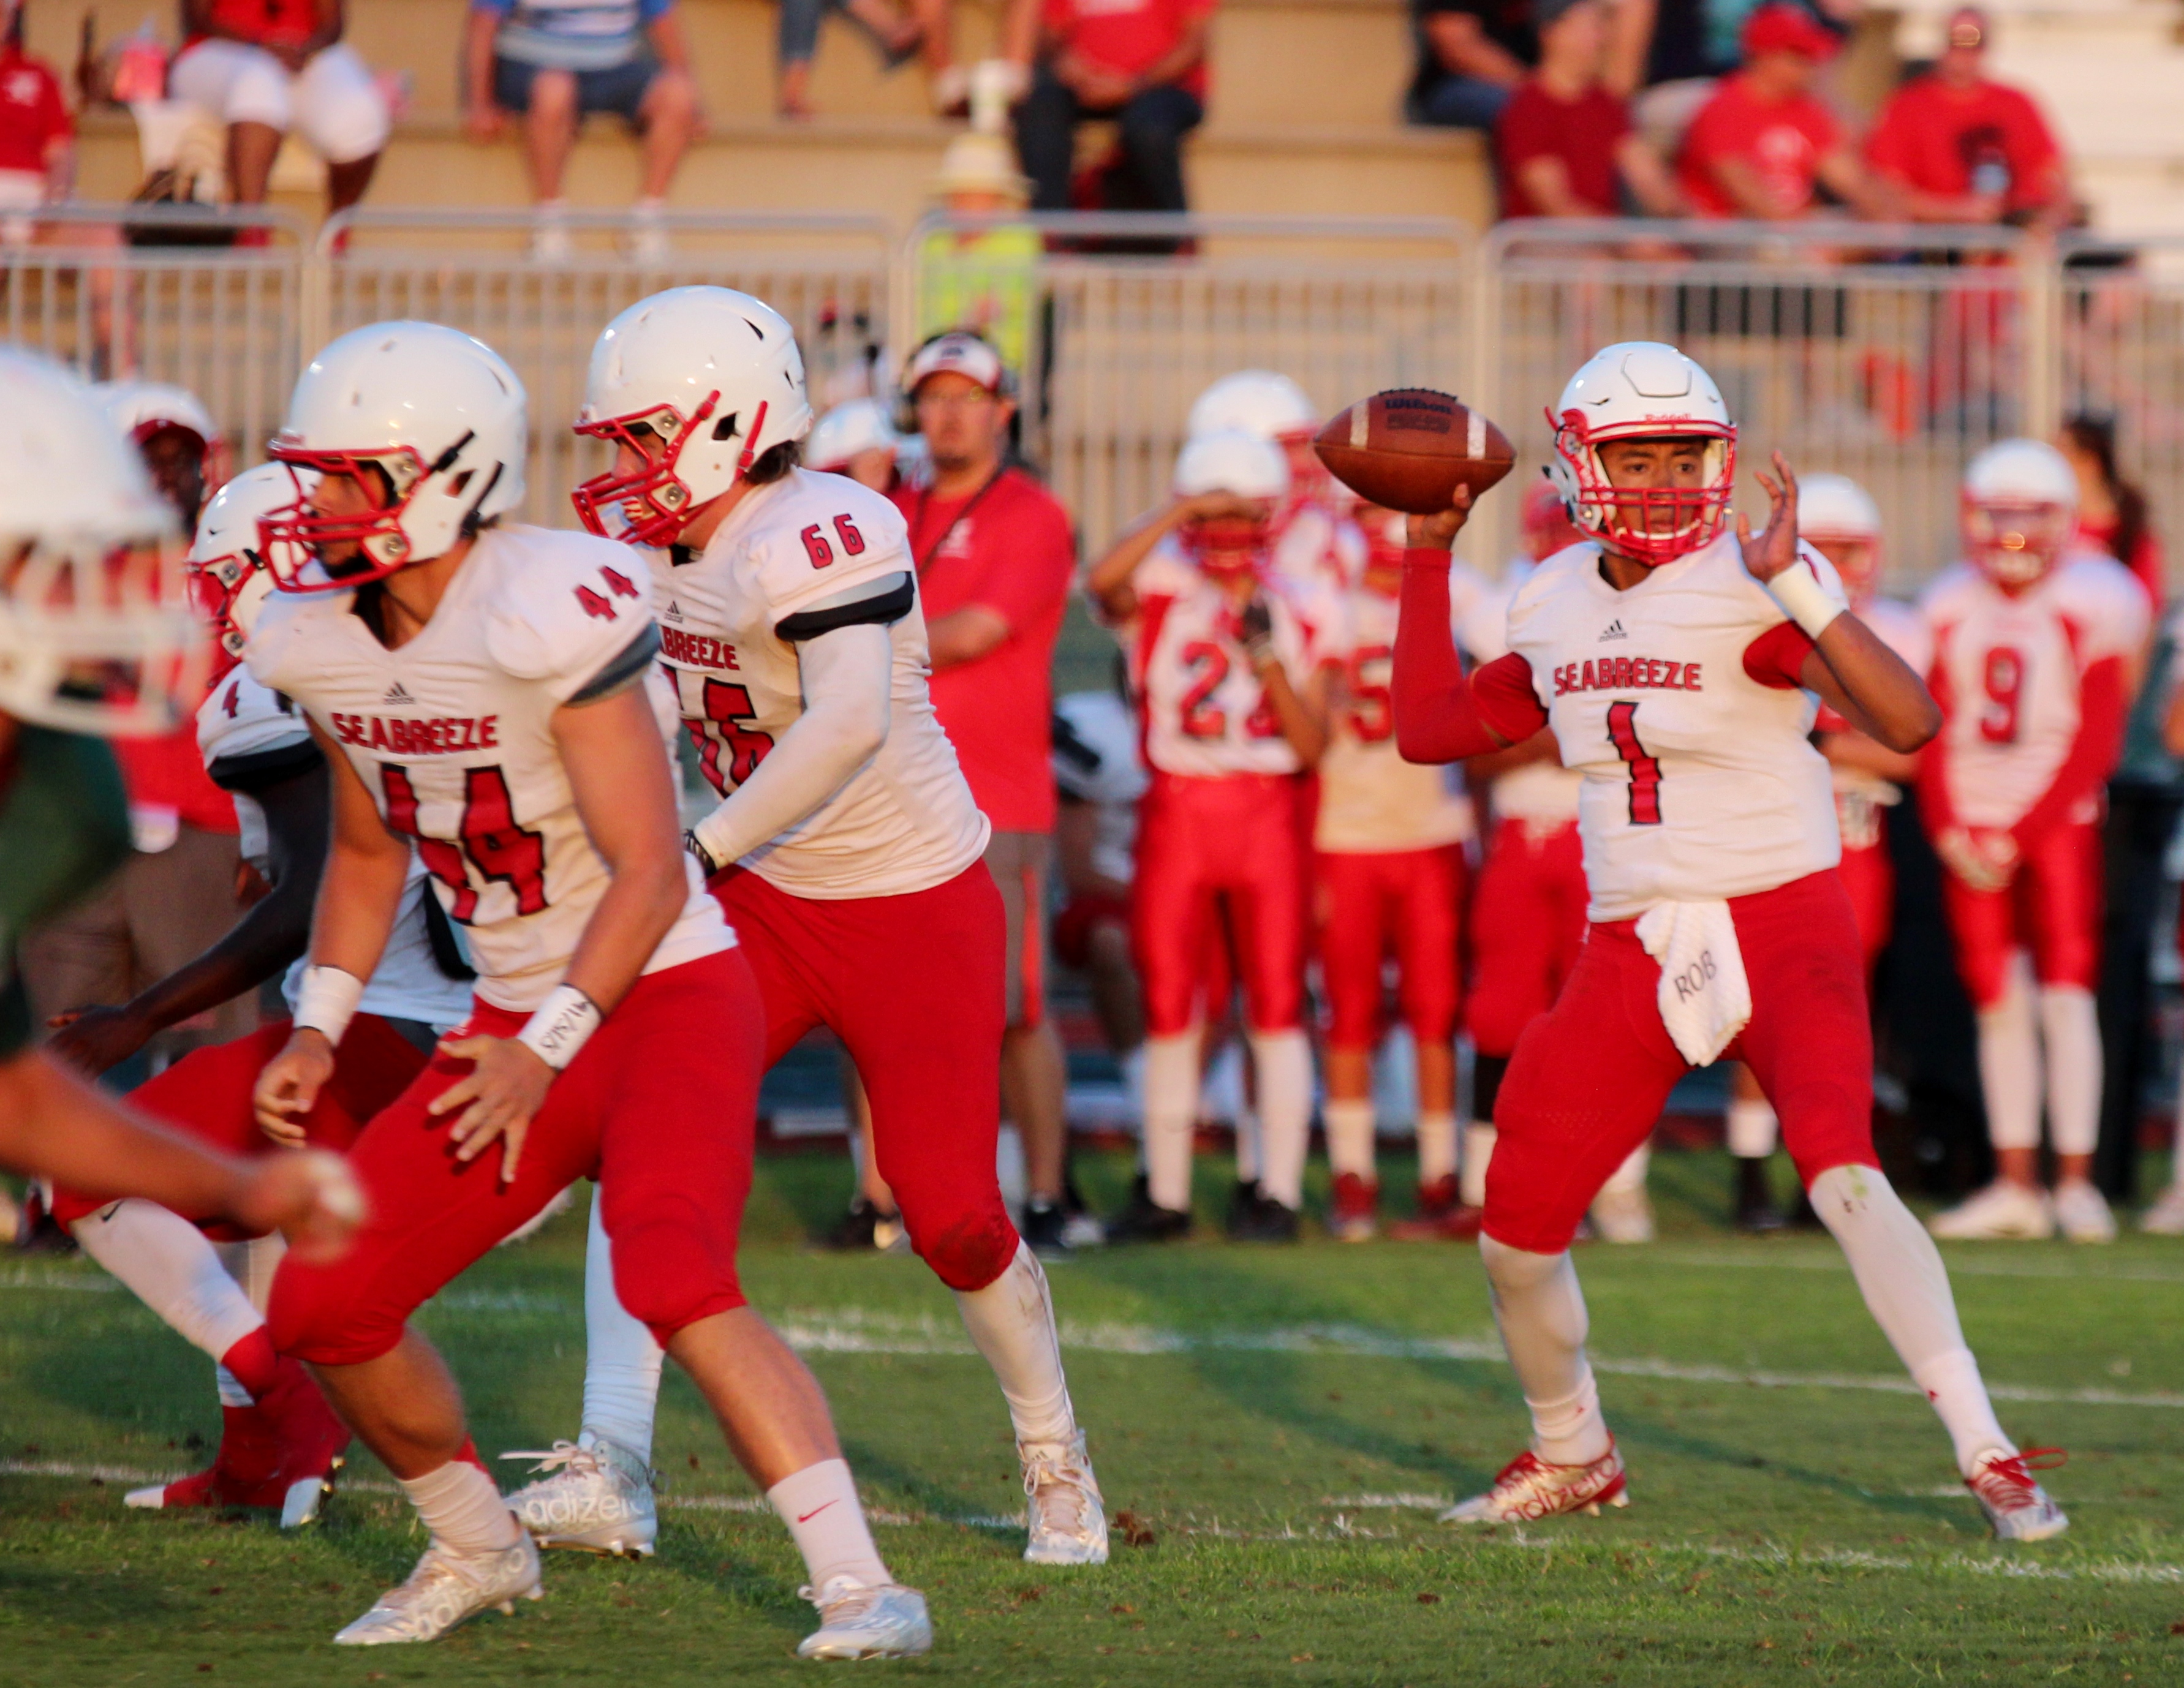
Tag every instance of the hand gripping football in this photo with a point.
(1410, 449)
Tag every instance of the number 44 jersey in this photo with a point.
(453, 736)
(1678, 702)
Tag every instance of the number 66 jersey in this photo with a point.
(451, 734)
(1678, 701)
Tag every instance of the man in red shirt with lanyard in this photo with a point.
(994, 558)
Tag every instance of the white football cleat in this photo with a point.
(2002, 1212)
(446, 1588)
(1066, 1517)
(866, 1620)
(1624, 1216)
(1528, 1489)
(2081, 1212)
(595, 1497)
(2014, 1503)
(2166, 1218)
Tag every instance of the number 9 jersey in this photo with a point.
(451, 734)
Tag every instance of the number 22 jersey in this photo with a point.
(451, 734)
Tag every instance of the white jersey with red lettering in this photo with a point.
(1371, 800)
(1097, 762)
(247, 733)
(1699, 782)
(451, 734)
(1207, 713)
(1860, 796)
(903, 821)
(2006, 672)
(1543, 794)
(1317, 547)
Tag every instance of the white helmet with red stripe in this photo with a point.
(855, 426)
(228, 575)
(1840, 516)
(701, 383)
(440, 418)
(1254, 402)
(1244, 466)
(2020, 508)
(1641, 389)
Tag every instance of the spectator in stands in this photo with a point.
(1963, 149)
(37, 138)
(995, 557)
(2112, 513)
(1473, 54)
(1763, 144)
(553, 62)
(1564, 144)
(982, 276)
(264, 67)
(1141, 63)
(896, 32)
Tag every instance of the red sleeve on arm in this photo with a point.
(1776, 659)
(2101, 708)
(1439, 717)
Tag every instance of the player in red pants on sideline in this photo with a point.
(1678, 665)
(488, 692)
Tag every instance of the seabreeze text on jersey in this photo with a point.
(443, 736)
(1628, 673)
(695, 650)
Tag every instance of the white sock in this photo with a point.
(1282, 1061)
(1349, 1136)
(1250, 1148)
(1631, 1174)
(621, 1361)
(1011, 1321)
(819, 1504)
(252, 1265)
(2009, 1066)
(1540, 1312)
(170, 1267)
(462, 1508)
(1752, 1127)
(1171, 1114)
(1900, 1274)
(2070, 1036)
(1436, 1147)
(1478, 1152)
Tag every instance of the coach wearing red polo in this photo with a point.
(995, 558)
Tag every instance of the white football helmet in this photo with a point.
(95, 633)
(858, 425)
(700, 382)
(140, 409)
(1254, 402)
(1641, 389)
(1840, 516)
(1247, 466)
(440, 416)
(2020, 508)
(229, 579)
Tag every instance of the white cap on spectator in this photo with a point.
(982, 163)
(957, 353)
(859, 425)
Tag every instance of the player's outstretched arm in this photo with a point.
(272, 934)
(1437, 718)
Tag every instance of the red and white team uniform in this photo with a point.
(1317, 546)
(2034, 690)
(884, 881)
(451, 734)
(1860, 797)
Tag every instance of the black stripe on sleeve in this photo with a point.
(885, 609)
(622, 671)
(254, 771)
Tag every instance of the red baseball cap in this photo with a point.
(1779, 27)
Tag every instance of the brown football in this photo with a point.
(1410, 449)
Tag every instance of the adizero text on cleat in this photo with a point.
(593, 1496)
(1530, 1489)
(447, 1587)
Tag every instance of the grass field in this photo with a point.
(1279, 1425)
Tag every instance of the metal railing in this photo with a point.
(1890, 353)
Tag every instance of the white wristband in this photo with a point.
(1803, 599)
(561, 1026)
(327, 1001)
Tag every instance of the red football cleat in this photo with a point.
(1441, 1217)
(1528, 1489)
(1355, 1217)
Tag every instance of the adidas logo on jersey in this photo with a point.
(1614, 630)
(395, 694)
(674, 612)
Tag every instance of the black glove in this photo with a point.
(705, 862)
(1255, 632)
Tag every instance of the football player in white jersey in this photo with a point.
(1316, 542)
(1230, 665)
(1679, 663)
(846, 848)
(1839, 519)
(487, 692)
(2036, 645)
(1389, 879)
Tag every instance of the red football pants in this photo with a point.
(913, 986)
(1869, 877)
(1589, 1077)
(206, 1095)
(2052, 908)
(1527, 924)
(1203, 844)
(661, 1106)
(1405, 902)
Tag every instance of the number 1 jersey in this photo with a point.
(451, 734)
